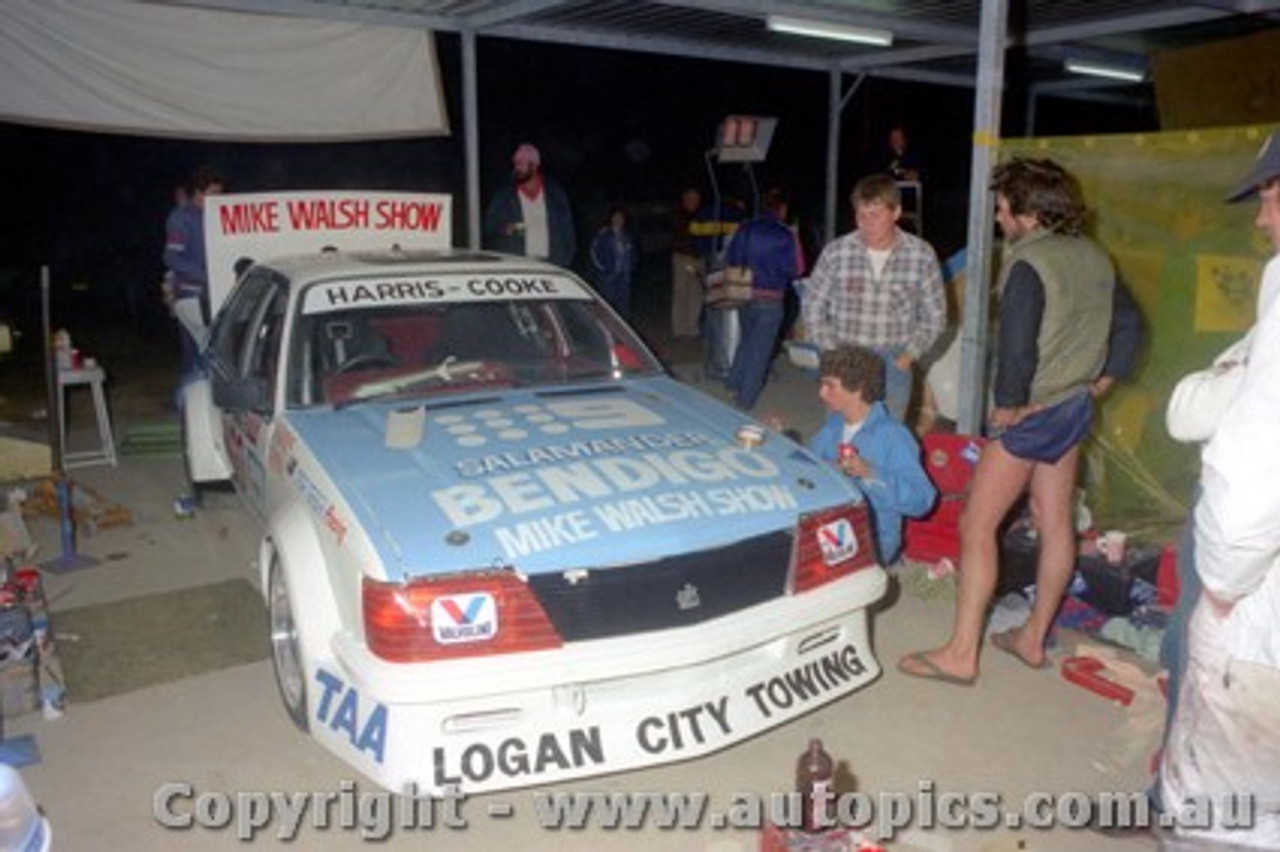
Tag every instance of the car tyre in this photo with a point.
(286, 648)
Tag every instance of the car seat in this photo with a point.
(349, 338)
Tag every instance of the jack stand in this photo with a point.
(69, 560)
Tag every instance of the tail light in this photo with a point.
(831, 544)
(462, 615)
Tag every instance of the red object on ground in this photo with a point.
(1083, 671)
(936, 536)
(1167, 576)
(949, 460)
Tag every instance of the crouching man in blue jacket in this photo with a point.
(862, 439)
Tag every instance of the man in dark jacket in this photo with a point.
(770, 249)
(184, 259)
(531, 216)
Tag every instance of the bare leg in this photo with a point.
(1052, 492)
(998, 481)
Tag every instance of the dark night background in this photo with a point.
(613, 127)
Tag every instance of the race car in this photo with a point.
(501, 545)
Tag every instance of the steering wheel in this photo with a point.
(367, 361)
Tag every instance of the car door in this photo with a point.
(244, 354)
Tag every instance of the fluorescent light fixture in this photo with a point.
(826, 29)
(1110, 72)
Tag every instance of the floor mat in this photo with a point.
(152, 439)
(110, 649)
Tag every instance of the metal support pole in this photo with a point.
(53, 403)
(833, 156)
(69, 560)
(986, 135)
(836, 102)
(471, 132)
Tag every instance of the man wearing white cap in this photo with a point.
(1220, 775)
(531, 216)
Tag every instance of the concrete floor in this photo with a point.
(1016, 732)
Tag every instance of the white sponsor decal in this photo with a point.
(555, 495)
(528, 537)
(619, 493)
(362, 721)
(381, 292)
(689, 729)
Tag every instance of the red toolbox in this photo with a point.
(949, 460)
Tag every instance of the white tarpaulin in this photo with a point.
(153, 69)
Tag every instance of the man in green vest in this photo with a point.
(1055, 291)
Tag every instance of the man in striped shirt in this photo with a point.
(878, 287)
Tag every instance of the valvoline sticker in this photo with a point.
(838, 541)
(457, 619)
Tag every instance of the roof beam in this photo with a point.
(1094, 96)
(1076, 85)
(1244, 7)
(919, 75)
(700, 50)
(902, 27)
(324, 12)
(906, 56)
(1178, 17)
(578, 37)
(509, 11)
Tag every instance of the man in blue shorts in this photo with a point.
(1055, 293)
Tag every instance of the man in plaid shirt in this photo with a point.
(878, 287)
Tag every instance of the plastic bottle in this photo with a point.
(62, 349)
(815, 771)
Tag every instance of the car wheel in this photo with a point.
(286, 650)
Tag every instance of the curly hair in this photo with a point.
(857, 368)
(1043, 189)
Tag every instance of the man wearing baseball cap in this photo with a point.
(531, 216)
(1223, 746)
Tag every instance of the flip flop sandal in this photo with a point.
(928, 670)
(1004, 641)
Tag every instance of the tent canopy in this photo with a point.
(332, 70)
(204, 68)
